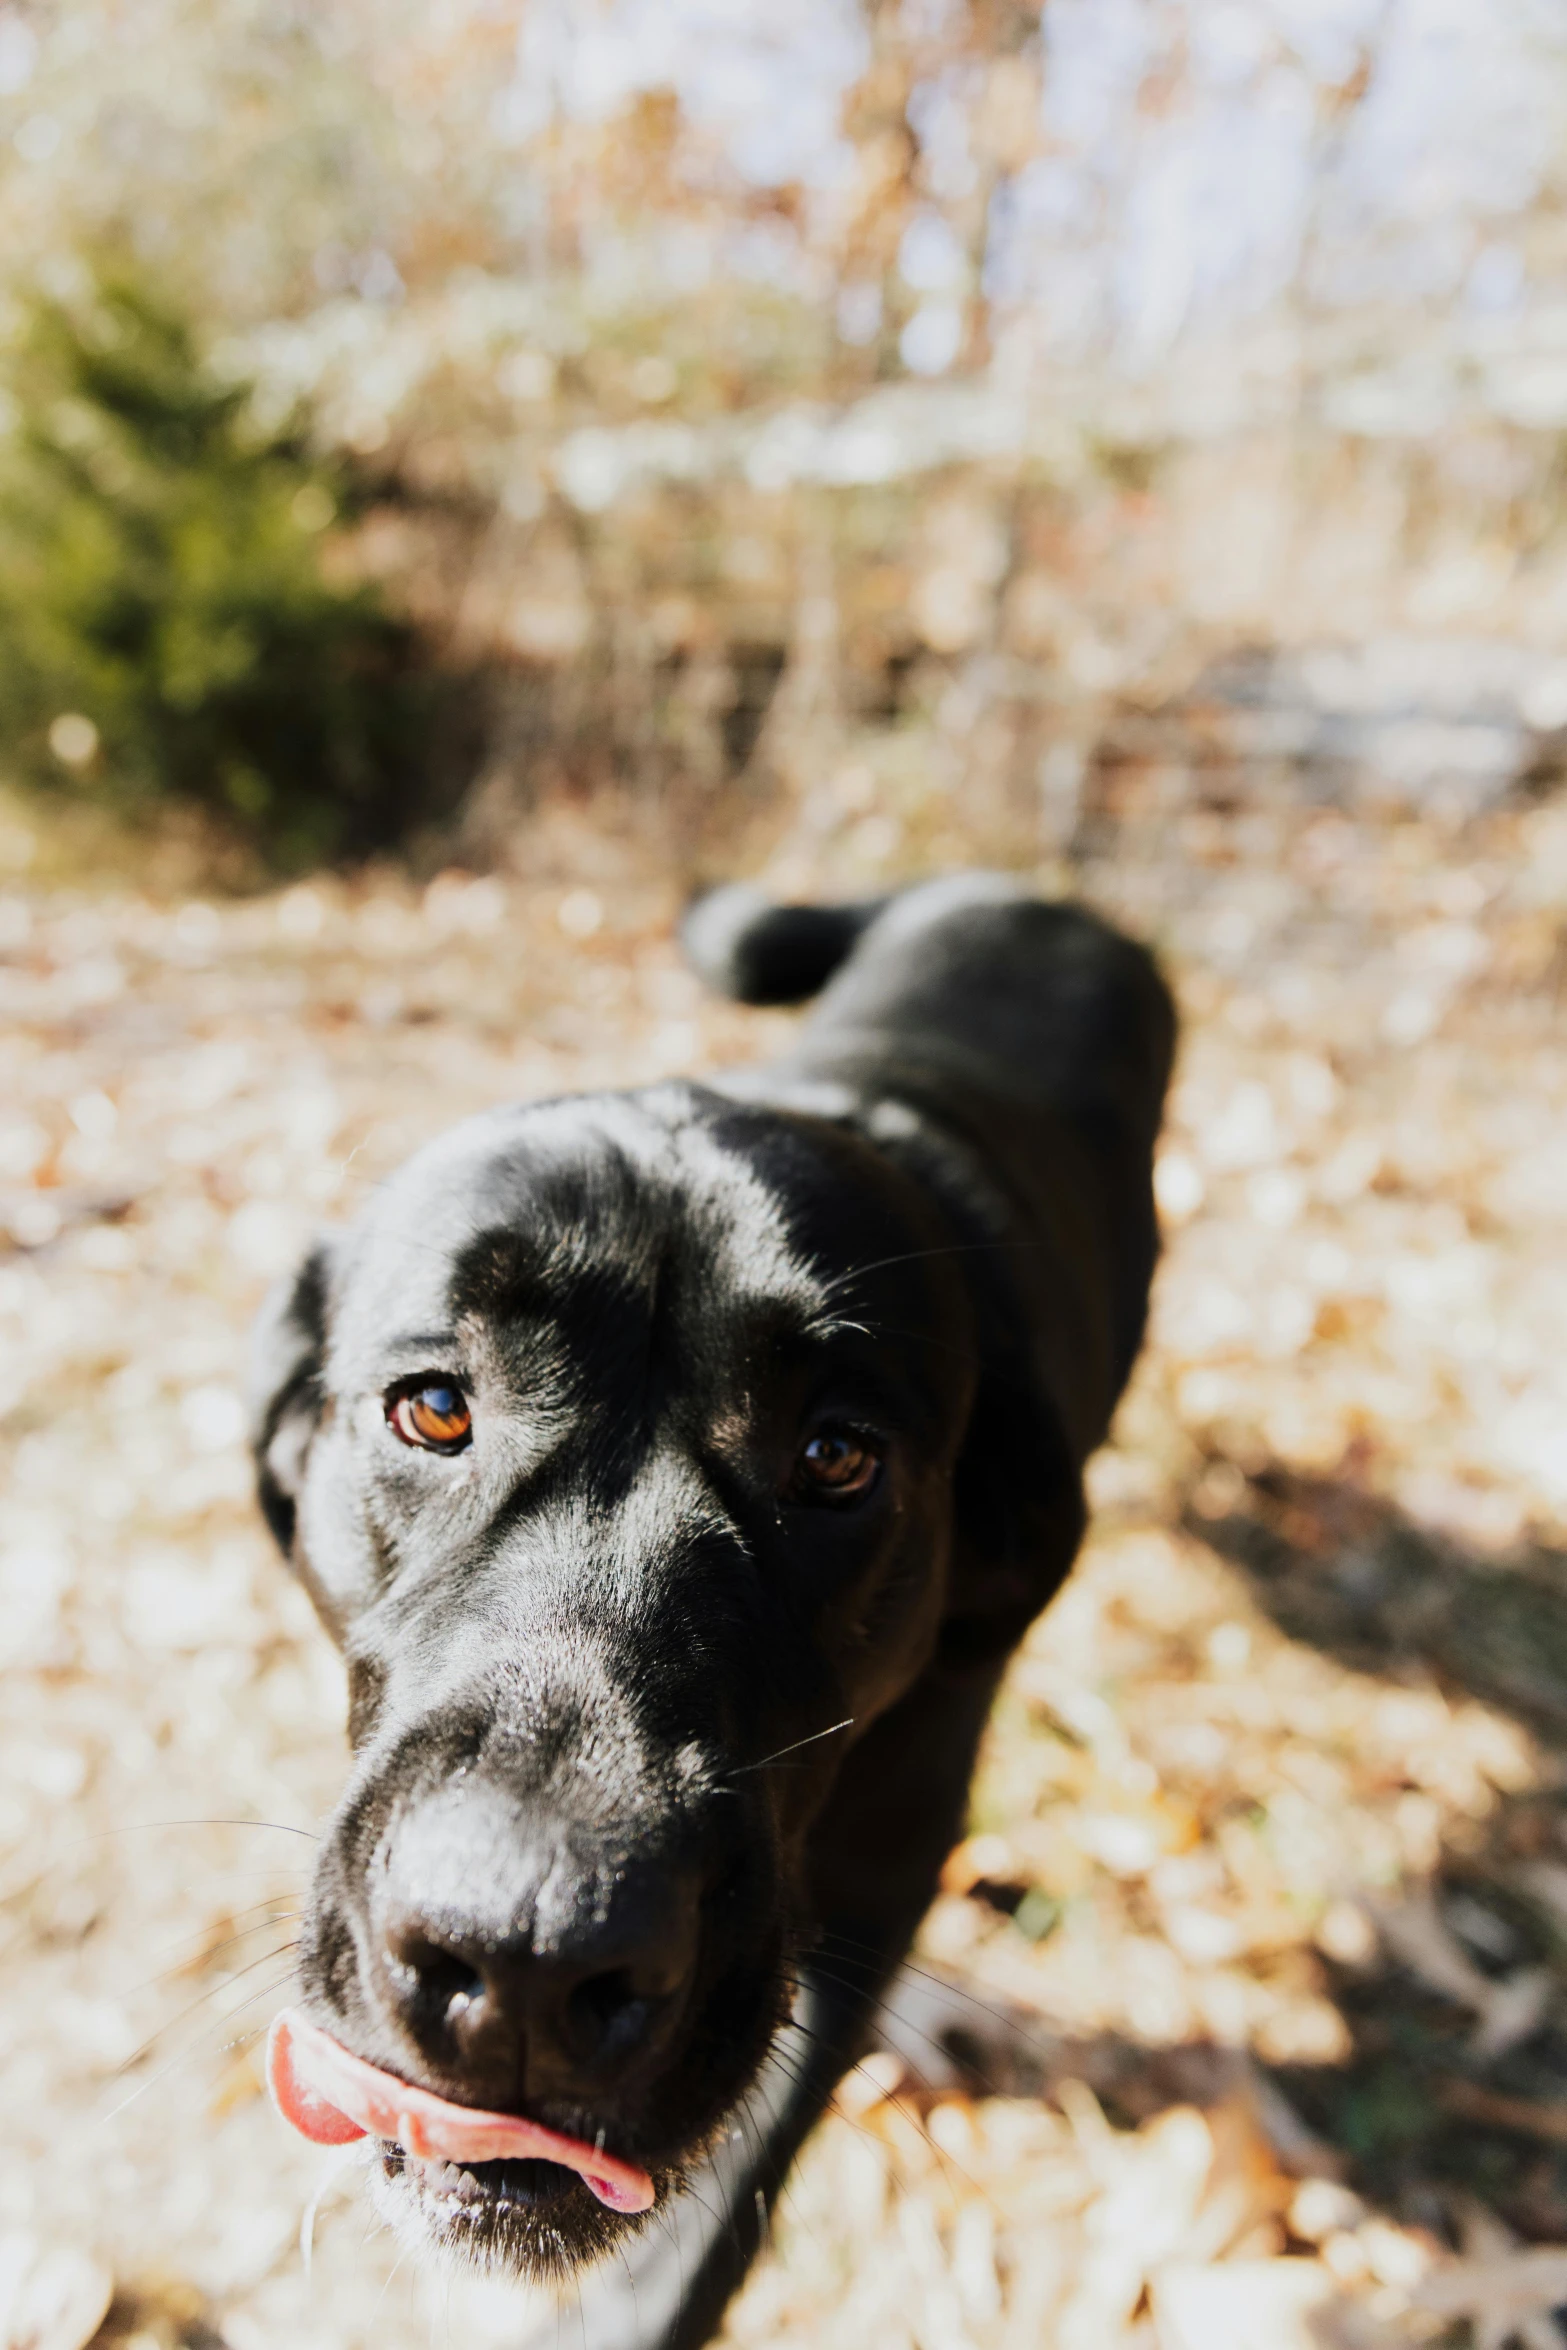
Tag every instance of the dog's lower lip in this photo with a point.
(332, 2097)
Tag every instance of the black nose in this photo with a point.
(524, 1966)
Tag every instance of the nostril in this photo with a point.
(608, 2011)
(441, 1987)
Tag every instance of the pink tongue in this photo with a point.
(331, 2097)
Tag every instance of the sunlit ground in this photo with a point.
(1269, 1838)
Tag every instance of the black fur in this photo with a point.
(602, 1800)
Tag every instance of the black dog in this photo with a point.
(677, 1470)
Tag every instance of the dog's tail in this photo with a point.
(746, 947)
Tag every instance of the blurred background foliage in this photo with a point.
(166, 622)
(896, 399)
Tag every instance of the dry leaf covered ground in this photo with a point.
(1259, 1944)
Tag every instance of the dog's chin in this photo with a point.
(531, 2220)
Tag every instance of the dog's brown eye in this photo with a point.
(435, 1417)
(835, 1465)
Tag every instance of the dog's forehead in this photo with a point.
(592, 1184)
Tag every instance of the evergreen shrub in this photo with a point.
(168, 627)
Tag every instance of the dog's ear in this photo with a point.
(285, 1385)
(1019, 1516)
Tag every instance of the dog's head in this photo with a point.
(617, 1444)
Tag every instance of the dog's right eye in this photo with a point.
(435, 1417)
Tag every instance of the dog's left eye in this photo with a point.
(836, 1464)
(434, 1417)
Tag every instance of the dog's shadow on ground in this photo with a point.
(1456, 2083)
(1444, 2088)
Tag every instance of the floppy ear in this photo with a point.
(285, 1386)
(1019, 1516)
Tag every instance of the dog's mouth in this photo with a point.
(332, 2097)
(505, 2191)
